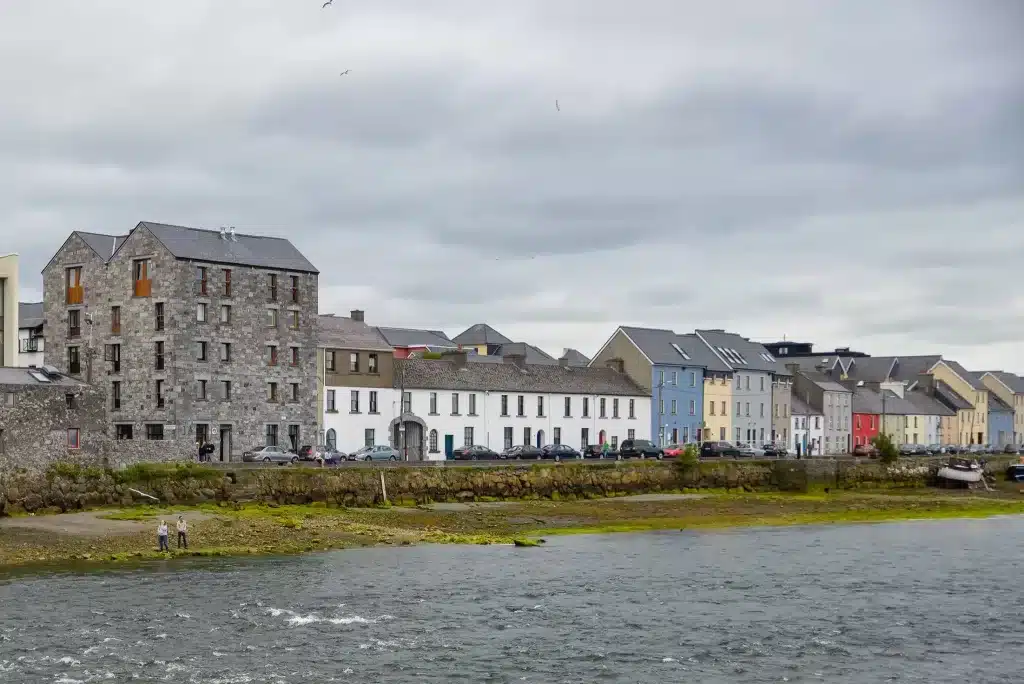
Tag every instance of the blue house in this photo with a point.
(1000, 421)
(672, 367)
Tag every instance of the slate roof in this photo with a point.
(533, 354)
(949, 396)
(411, 337)
(30, 314)
(1011, 380)
(445, 374)
(741, 353)
(21, 376)
(338, 332)
(998, 405)
(867, 400)
(824, 382)
(481, 333)
(907, 368)
(871, 368)
(927, 405)
(103, 245)
(656, 344)
(199, 244)
(574, 357)
(972, 379)
(799, 408)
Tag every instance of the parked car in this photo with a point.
(718, 449)
(377, 452)
(1010, 449)
(775, 450)
(745, 450)
(673, 450)
(520, 451)
(559, 452)
(476, 452)
(935, 449)
(595, 451)
(269, 454)
(867, 450)
(640, 448)
(320, 452)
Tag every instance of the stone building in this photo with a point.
(192, 334)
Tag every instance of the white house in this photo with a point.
(30, 334)
(459, 400)
(807, 428)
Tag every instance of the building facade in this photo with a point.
(1000, 422)
(1010, 390)
(195, 335)
(782, 400)
(807, 429)
(31, 345)
(974, 421)
(866, 413)
(9, 310)
(818, 390)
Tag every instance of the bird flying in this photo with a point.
(327, 3)
(557, 107)
(345, 71)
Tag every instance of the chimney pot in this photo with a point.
(358, 315)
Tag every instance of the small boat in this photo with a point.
(961, 470)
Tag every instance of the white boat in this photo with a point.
(961, 470)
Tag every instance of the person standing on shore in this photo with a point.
(161, 535)
(182, 532)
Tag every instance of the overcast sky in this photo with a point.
(848, 173)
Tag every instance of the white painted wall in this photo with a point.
(488, 424)
(807, 430)
(9, 309)
(26, 359)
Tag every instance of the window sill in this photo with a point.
(354, 413)
(456, 415)
(375, 413)
(473, 415)
(332, 410)
(433, 413)
(505, 415)
(521, 415)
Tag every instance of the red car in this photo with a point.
(674, 450)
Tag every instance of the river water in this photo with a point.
(907, 602)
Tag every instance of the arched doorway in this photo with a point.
(601, 437)
(408, 433)
(540, 438)
(332, 439)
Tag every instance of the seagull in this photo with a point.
(327, 3)
(345, 71)
(557, 107)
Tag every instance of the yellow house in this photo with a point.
(1009, 388)
(717, 407)
(481, 338)
(972, 422)
(9, 310)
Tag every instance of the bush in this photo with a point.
(887, 450)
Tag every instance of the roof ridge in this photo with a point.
(211, 230)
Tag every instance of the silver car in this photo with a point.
(378, 452)
(269, 454)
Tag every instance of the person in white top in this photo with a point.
(182, 532)
(161, 533)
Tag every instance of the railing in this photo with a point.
(75, 294)
(143, 288)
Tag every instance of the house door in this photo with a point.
(449, 445)
(540, 438)
(225, 442)
(601, 437)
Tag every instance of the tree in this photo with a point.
(887, 451)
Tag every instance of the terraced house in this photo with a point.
(1009, 388)
(194, 335)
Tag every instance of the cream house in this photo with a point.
(973, 427)
(9, 310)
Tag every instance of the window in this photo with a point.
(271, 391)
(762, 435)
(674, 407)
(371, 364)
(74, 361)
(601, 408)
(455, 403)
(73, 291)
(369, 437)
(115, 320)
(201, 390)
(675, 377)
(661, 378)
(721, 434)
(632, 408)
(467, 436)
(294, 354)
(586, 407)
(915, 422)
(295, 289)
(293, 437)
(295, 391)
(159, 354)
(123, 431)
(661, 407)
(762, 409)
(686, 433)
(159, 391)
(711, 408)
(739, 409)
(271, 355)
(407, 402)
(631, 433)
(762, 389)
(272, 287)
(526, 435)
(225, 390)
(817, 422)
(568, 407)
(201, 351)
(748, 382)
(272, 318)
(353, 362)
(227, 282)
(584, 438)
(155, 432)
(504, 404)
(856, 422)
(556, 435)
(115, 395)
(739, 384)
(723, 411)
(331, 439)
(270, 436)
(693, 379)
(472, 404)
(330, 360)
(225, 352)
(294, 317)
(353, 401)
(201, 280)
(225, 314)
(373, 401)
(521, 406)
(508, 438)
(201, 312)
(615, 407)
(693, 407)
(158, 315)
(142, 286)
(433, 404)
(74, 323)
(615, 442)
(332, 406)
(739, 435)
(540, 407)
(433, 441)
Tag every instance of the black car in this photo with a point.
(774, 450)
(595, 451)
(476, 452)
(521, 451)
(559, 452)
(719, 449)
(640, 448)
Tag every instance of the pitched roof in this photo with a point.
(799, 408)
(824, 382)
(30, 314)
(533, 354)
(1011, 380)
(928, 405)
(338, 332)
(907, 368)
(574, 357)
(866, 400)
(412, 337)
(481, 333)
(740, 353)
(972, 379)
(871, 368)
(659, 346)
(30, 377)
(199, 244)
(103, 245)
(998, 405)
(447, 374)
(950, 397)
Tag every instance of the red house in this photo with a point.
(867, 415)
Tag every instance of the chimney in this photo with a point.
(616, 365)
(233, 238)
(358, 315)
(223, 233)
(563, 362)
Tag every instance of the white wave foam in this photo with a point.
(354, 620)
(183, 616)
(302, 619)
(68, 660)
(668, 660)
(109, 639)
(277, 612)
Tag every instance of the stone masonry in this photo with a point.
(231, 424)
